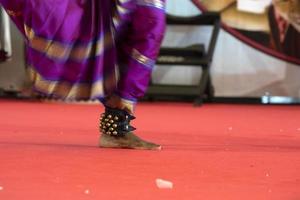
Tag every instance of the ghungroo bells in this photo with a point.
(115, 122)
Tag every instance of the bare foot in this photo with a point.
(129, 141)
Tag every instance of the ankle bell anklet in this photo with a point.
(115, 122)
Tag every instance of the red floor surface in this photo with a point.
(49, 151)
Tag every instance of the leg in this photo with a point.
(137, 54)
(112, 122)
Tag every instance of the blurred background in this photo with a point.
(256, 53)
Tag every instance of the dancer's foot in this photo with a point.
(128, 141)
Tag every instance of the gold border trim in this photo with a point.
(136, 55)
(152, 3)
(57, 50)
(65, 90)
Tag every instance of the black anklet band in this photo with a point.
(115, 122)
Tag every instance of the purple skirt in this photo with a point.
(90, 49)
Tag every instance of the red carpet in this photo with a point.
(49, 151)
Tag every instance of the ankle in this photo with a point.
(117, 102)
(115, 122)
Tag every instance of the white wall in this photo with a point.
(237, 69)
(12, 73)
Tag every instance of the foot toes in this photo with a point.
(130, 141)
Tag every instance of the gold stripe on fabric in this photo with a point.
(116, 20)
(142, 59)
(152, 3)
(121, 10)
(124, 1)
(65, 90)
(61, 51)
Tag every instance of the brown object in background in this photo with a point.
(285, 39)
(244, 20)
(216, 5)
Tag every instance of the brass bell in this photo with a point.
(115, 125)
(108, 124)
(115, 133)
(108, 133)
(106, 119)
(116, 118)
(111, 129)
(109, 116)
(111, 121)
